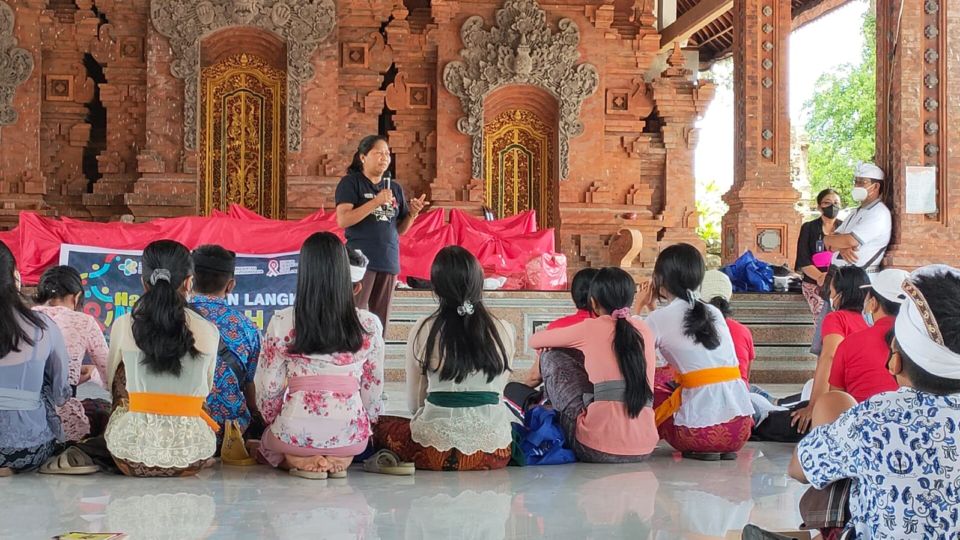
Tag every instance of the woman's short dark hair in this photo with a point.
(58, 282)
(326, 319)
(465, 343)
(213, 268)
(679, 270)
(366, 145)
(848, 282)
(580, 287)
(12, 308)
(160, 326)
(823, 195)
(942, 292)
(614, 289)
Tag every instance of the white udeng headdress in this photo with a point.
(357, 272)
(918, 333)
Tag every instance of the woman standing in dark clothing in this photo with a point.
(811, 243)
(374, 213)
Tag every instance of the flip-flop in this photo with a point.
(309, 475)
(71, 461)
(386, 462)
(339, 474)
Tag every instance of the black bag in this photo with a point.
(776, 427)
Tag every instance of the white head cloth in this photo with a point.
(869, 170)
(357, 272)
(918, 333)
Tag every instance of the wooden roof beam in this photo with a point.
(693, 20)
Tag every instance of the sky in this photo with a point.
(815, 49)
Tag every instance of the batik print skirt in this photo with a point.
(393, 433)
(27, 459)
(729, 436)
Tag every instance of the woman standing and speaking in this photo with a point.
(373, 212)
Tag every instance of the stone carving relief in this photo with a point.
(520, 49)
(302, 23)
(16, 65)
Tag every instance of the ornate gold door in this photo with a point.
(519, 154)
(243, 102)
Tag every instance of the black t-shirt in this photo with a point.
(809, 243)
(376, 235)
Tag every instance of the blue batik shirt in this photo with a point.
(900, 448)
(226, 400)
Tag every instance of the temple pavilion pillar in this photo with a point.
(762, 215)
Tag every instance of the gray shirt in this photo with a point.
(33, 381)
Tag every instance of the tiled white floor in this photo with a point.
(664, 498)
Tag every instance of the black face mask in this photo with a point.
(831, 212)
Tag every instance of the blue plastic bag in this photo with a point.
(540, 440)
(749, 274)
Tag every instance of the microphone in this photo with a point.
(387, 208)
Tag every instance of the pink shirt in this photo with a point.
(605, 425)
(83, 336)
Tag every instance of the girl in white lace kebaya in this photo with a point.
(167, 354)
(458, 362)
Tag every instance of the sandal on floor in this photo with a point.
(309, 475)
(703, 456)
(341, 474)
(71, 461)
(728, 456)
(386, 462)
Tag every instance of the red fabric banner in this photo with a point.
(503, 247)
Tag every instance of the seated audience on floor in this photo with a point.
(458, 362)
(34, 377)
(580, 291)
(163, 355)
(707, 414)
(604, 398)
(59, 296)
(717, 290)
(233, 398)
(898, 448)
(320, 379)
(859, 365)
(844, 319)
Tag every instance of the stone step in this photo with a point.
(782, 334)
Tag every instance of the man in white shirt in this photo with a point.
(863, 237)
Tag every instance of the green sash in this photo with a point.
(457, 400)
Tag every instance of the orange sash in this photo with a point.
(694, 379)
(171, 405)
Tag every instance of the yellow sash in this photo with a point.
(694, 379)
(171, 405)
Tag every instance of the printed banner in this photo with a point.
(112, 279)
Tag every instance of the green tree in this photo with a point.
(842, 119)
(711, 208)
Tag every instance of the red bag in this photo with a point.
(547, 272)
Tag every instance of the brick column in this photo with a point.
(918, 99)
(762, 216)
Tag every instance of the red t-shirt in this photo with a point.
(860, 365)
(844, 323)
(570, 320)
(743, 344)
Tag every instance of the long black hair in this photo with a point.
(160, 316)
(12, 307)
(848, 283)
(463, 332)
(58, 282)
(366, 145)
(326, 319)
(679, 270)
(614, 289)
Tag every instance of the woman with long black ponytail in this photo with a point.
(33, 377)
(605, 402)
(162, 356)
(706, 413)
